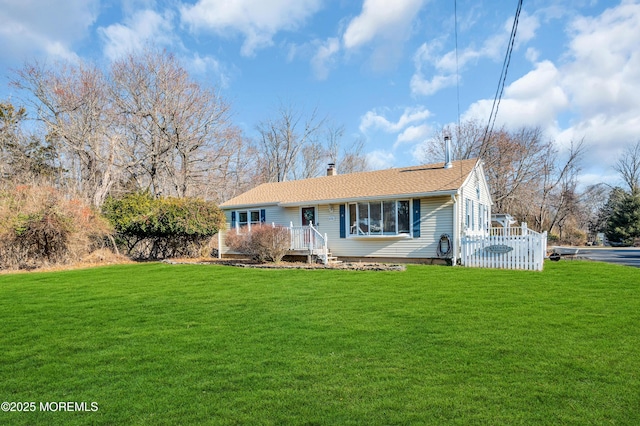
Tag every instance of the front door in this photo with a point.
(309, 216)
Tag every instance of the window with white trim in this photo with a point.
(374, 218)
(246, 218)
(469, 221)
(483, 215)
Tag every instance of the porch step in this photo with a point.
(330, 259)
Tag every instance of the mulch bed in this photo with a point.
(247, 263)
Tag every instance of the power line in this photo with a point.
(455, 17)
(503, 78)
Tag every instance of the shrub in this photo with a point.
(157, 228)
(43, 235)
(264, 243)
(39, 225)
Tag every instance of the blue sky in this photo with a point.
(384, 69)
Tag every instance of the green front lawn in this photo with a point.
(168, 344)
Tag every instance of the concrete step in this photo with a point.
(330, 258)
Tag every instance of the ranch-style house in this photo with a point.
(412, 214)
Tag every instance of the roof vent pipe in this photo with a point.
(447, 152)
(331, 170)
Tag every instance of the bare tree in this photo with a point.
(11, 138)
(233, 174)
(466, 142)
(349, 159)
(558, 197)
(72, 102)
(593, 206)
(527, 175)
(628, 165)
(145, 125)
(175, 129)
(298, 146)
(514, 164)
(282, 140)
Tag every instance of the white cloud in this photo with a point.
(257, 21)
(536, 99)
(380, 159)
(374, 121)
(604, 67)
(602, 76)
(419, 153)
(205, 66)
(48, 28)
(324, 58)
(420, 85)
(142, 28)
(532, 54)
(381, 18)
(410, 128)
(413, 134)
(527, 27)
(436, 72)
(597, 82)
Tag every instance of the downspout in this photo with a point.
(456, 227)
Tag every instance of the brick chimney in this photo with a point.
(331, 170)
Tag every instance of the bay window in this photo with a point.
(375, 218)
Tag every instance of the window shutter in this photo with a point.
(263, 215)
(233, 220)
(416, 218)
(343, 222)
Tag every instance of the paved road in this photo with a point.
(624, 256)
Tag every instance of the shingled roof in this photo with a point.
(425, 180)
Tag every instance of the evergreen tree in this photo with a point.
(623, 224)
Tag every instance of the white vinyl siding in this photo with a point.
(436, 219)
(273, 214)
(476, 204)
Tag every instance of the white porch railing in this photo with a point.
(308, 238)
(505, 248)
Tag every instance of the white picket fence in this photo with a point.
(505, 248)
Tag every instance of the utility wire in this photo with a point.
(455, 17)
(501, 82)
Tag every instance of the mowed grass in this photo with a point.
(198, 344)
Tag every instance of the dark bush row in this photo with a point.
(157, 228)
(41, 226)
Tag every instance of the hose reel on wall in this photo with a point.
(444, 246)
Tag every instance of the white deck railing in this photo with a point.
(308, 238)
(505, 248)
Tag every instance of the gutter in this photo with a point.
(450, 192)
(247, 206)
